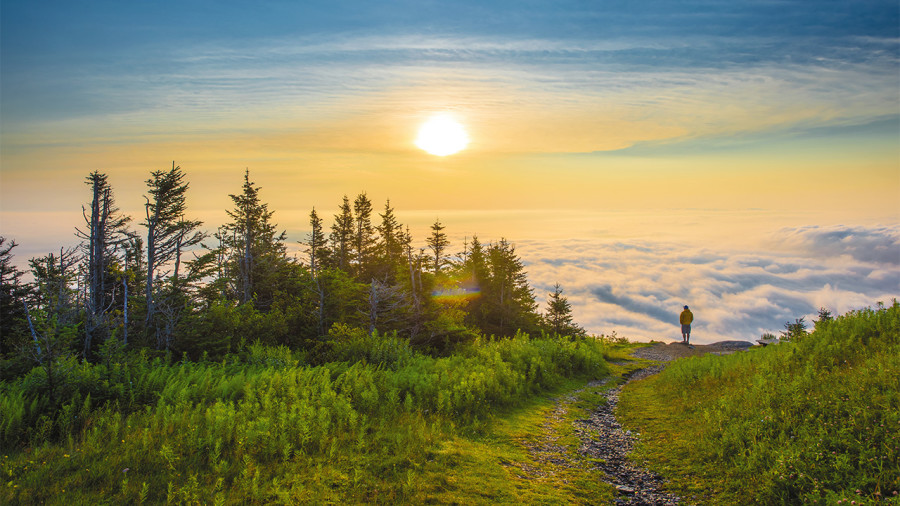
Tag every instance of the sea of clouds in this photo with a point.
(637, 288)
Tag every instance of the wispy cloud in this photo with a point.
(705, 75)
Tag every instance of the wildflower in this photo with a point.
(126, 470)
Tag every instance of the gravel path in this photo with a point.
(607, 444)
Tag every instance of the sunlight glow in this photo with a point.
(442, 136)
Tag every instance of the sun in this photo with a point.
(442, 135)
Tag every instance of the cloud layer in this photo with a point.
(638, 288)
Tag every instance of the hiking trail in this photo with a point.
(605, 445)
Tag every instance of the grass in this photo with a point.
(498, 468)
(266, 429)
(814, 421)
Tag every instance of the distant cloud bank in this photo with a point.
(638, 288)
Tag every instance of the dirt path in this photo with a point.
(606, 445)
(606, 442)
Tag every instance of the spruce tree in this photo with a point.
(391, 247)
(364, 236)
(254, 249)
(54, 279)
(438, 243)
(342, 236)
(317, 248)
(317, 257)
(508, 302)
(52, 313)
(105, 232)
(13, 323)
(168, 233)
(559, 315)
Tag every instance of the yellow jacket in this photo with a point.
(686, 317)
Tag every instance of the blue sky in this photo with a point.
(50, 50)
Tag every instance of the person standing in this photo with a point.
(686, 318)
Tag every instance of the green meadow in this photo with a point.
(815, 420)
(262, 427)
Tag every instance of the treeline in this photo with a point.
(165, 285)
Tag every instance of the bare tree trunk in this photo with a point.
(244, 266)
(151, 266)
(412, 277)
(37, 343)
(125, 308)
(320, 311)
(94, 257)
(373, 306)
(177, 258)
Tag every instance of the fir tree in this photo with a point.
(315, 242)
(12, 298)
(391, 246)
(508, 302)
(559, 315)
(255, 251)
(342, 236)
(317, 254)
(824, 317)
(168, 233)
(54, 280)
(363, 240)
(438, 243)
(106, 231)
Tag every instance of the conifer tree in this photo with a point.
(52, 312)
(317, 251)
(317, 254)
(391, 245)
(824, 317)
(559, 315)
(507, 302)
(255, 251)
(168, 233)
(12, 297)
(363, 240)
(438, 243)
(342, 236)
(54, 279)
(106, 231)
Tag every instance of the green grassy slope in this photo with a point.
(816, 420)
(265, 429)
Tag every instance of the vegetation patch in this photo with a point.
(812, 420)
(139, 430)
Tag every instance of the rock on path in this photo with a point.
(607, 445)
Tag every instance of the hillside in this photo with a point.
(813, 420)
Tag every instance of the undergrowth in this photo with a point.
(265, 428)
(815, 420)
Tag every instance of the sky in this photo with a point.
(739, 157)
